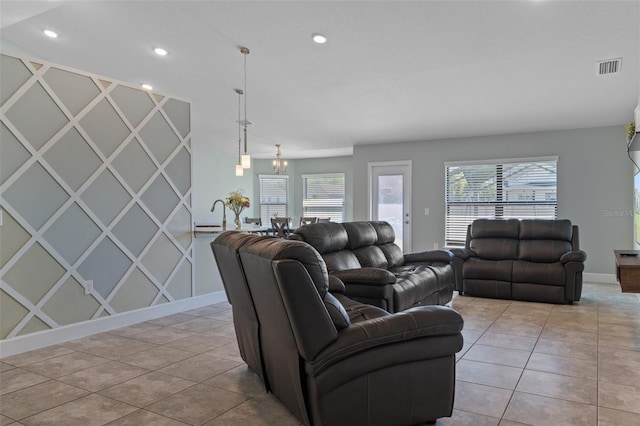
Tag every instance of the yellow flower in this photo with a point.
(237, 202)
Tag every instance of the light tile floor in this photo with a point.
(522, 363)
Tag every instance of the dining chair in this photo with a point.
(308, 220)
(253, 220)
(324, 219)
(280, 226)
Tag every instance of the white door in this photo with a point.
(390, 198)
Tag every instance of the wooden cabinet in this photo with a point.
(628, 270)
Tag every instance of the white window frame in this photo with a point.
(456, 224)
(267, 215)
(305, 202)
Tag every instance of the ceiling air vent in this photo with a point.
(610, 66)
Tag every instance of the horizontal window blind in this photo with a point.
(274, 197)
(323, 196)
(499, 189)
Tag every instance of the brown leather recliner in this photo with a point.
(334, 361)
(247, 327)
(535, 260)
(226, 253)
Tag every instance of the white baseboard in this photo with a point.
(65, 333)
(599, 278)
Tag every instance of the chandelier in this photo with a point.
(279, 166)
(245, 157)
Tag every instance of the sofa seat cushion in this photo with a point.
(414, 283)
(359, 312)
(539, 273)
(480, 269)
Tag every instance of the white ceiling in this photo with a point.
(392, 71)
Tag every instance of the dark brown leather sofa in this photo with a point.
(329, 359)
(374, 269)
(535, 260)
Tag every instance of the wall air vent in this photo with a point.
(610, 66)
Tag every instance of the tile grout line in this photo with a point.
(524, 367)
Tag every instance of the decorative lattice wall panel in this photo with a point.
(95, 183)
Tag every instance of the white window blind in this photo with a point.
(274, 197)
(323, 196)
(516, 188)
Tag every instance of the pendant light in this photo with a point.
(239, 168)
(245, 158)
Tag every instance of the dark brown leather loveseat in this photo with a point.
(374, 269)
(329, 359)
(535, 260)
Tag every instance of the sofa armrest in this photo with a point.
(444, 256)
(336, 285)
(463, 253)
(420, 322)
(573, 256)
(373, 276)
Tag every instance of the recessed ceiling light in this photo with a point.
(319, 38)
(147, 86)
(50, 33)
(160, 51)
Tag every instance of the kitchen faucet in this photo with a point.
(224, 212)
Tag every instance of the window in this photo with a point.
(517, 188)
(274, 197)
(323, 196)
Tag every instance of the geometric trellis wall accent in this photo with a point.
(95, 185)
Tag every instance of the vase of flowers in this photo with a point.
(237, 203)
(631, 131)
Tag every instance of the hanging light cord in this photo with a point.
(245, 52)
(239, 92)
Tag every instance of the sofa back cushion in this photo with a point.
(393, 254)
(324, 237)
(544, 240)
(546, 229)
(278, 248)
(386, 242)
(360, 234)
(341, 260)
(384, 232)
(371, 257)
(352, 245)
(494, 239)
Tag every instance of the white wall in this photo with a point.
(213, 178)
(595, 190)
